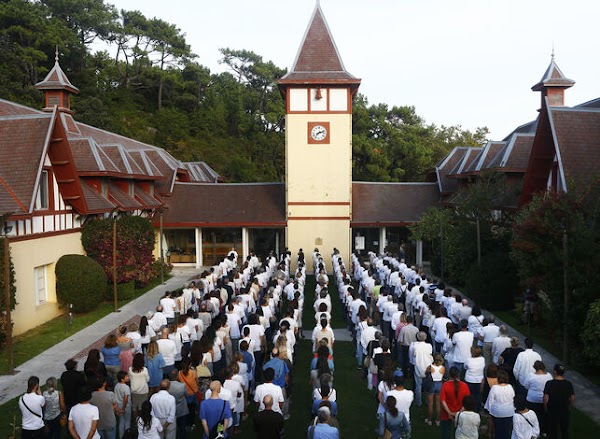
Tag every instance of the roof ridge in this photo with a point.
(12, 194)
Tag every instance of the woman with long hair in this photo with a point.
(138, 379)
(146, 333)
(187, 375)
(93, 368)
(147, 425)
(394, 421)
(474, 367)
(451, 395)
(320, 365)
(154, 362)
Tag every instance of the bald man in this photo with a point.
(164, 409)
(214, 411)
(268, 424)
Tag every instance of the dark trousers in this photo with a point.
(556, 421)
(502, 427)
(475, 389)
(32, 434)
(538, 408)
(54, 428)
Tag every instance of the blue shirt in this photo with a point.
(210, 411)
(325, 431)
(111, 356)
(281, 369)
(154, 367)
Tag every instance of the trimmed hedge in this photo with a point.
(81, 281)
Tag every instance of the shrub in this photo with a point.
(493, 285)
(591, 332)
(81, 281)
(125, 291)
(13, 290)
(135, 244)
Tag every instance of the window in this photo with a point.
(41, 290)
(43, 199)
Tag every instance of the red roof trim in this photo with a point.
(212, 225)
(12, 194)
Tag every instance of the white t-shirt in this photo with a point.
(168, 349)
(256, 332)
(82, 416)
(169, 307)
(268, 389)
(439, 327)
(404, 399)
(463, 341)
(474, 367)
(467, 425)
(35, 402)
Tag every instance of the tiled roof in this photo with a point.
(198, 204)
(444, 167)
(146, 199)
(96, 203)
(514, 156)
(469, 155)
(391, 203)
(56, 80)
(553, 77)
(318, 59)
(577, 134)
(22, 145)
(122, 198)
(8, 108)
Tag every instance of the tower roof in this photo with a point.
(318, 59)
(553, 77)
(56, 80)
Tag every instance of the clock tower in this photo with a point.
(318, 144)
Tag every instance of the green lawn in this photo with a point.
(356, 404)
(37, 340)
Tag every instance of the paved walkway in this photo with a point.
(51, 362)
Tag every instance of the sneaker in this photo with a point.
(437, 423)
(428, 421)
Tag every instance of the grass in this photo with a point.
(356, 404)
(35, 341)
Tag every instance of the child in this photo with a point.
(467, 420)
(123, 396)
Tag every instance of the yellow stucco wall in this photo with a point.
(319, 186)
(318, 172)
(27, 255)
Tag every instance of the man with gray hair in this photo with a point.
(421, 354)
(178, 391)
(164, 408)
(322, 430)
(500, 343)
(487, 335)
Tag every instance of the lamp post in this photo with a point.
(7, 302)
(442, 248)
(115, 263)
(160, 246)
(565, 242)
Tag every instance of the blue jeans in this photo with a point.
(108, 434)
(502, 427)
(418, 388)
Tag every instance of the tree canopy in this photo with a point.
(148, 84)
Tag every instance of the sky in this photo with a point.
(458, 62)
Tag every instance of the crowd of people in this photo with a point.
(227, 341)
(411, 329)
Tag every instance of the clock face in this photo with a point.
(318, 133)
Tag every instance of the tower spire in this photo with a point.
(553, 84)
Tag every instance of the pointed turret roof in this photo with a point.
(318, 60)
(553, 77)
(56, 79)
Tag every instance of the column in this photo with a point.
(382, 239)
(419, 247)
(245, 244)
(198, 247)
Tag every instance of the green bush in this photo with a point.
(80, 281)
(125, 291)
(493, 285)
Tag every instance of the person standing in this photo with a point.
(535, 385)
(422, 358)
(71, 380)
(268, 424)
(165, 408)
(525, 421)
(524, 365)
(452, 394)
(123, 396)
(500, 405)
(182, 412)
(213, 411)
(322, 430)
(32, 406)
(559, 396)
(84, 417)
(107, 406)
(54, 407)
(148, 426)
(463, 341)
(467, 421)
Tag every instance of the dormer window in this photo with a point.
(42, 200)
